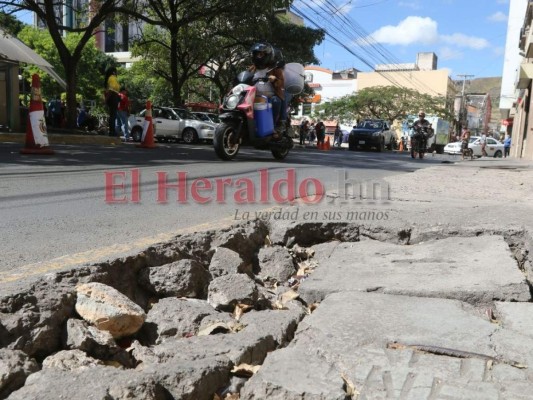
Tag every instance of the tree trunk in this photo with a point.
(176, 96)
(72, 84)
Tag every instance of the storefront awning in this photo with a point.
(14, 51)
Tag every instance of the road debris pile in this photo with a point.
(280, 311)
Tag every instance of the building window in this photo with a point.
(110, 32)
(125, 37)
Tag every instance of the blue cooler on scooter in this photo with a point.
(264, 119)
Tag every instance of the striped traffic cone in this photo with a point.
(147, 138)
(327, 145)
(36, 135)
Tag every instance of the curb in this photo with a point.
(63, 138)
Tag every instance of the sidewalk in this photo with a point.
(433, 303)
(66, 137)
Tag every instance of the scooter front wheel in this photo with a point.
(280, 154)
(226, 142)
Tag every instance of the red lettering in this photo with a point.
(221, 190)
(263, 186)
(290, 183)
(247, 193)
(135, 185)
(318, 192)
(110, 187)
(198, 185)
(181, 187)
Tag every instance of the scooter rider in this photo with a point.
(264, 62)
(422, 122)
(420, 127)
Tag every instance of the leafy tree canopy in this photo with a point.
(383, 102)
(10, 24)
(91, 63)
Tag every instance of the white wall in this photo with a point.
(512, 59)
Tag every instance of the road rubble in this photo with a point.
(433, 303)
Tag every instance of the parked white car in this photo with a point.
(173, 124)
(207, 116)
(494, 148)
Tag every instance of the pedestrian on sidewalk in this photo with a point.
(337, 136)
(123, 112)
(112, 97)
(311, 134)
(507, 145)
(320, 132)
(304, 126)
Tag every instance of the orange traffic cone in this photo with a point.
(147, 139)
(36, 135)
(401, 145)
(327, 145)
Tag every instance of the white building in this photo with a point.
(512, 58)
(328, 85)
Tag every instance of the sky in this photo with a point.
(468, 36)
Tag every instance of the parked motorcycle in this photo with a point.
(246, 116)
(419, 140)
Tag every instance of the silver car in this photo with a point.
(206, 116)
(173, 124)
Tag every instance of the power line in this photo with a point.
(373, 52)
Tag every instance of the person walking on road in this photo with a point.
(483, 142)
(507, 146)
(465, 139)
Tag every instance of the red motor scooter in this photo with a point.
(246, 119)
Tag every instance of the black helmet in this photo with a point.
(262, 55)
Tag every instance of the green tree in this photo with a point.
(88, 20)
(91, 62)
(10, 24)
(192, 51)
(219, 47)
(384, 102)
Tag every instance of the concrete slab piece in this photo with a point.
(312, 376)
(403, 348)
(516, 316)
(472, 269)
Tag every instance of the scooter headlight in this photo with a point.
(238, 89)
(232, 102)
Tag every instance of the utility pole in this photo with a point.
(460, 105)
(464, 76)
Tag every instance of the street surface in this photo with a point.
(54, 207)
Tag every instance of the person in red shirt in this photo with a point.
(123, 113)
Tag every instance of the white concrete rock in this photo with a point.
(108, 309)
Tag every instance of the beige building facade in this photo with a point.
(520, 116)
(434, 83)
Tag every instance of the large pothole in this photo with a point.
(218, 302)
